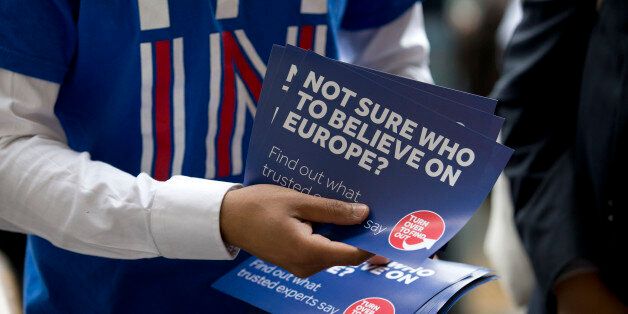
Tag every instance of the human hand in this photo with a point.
(273, 223)
(586, 293)
(379, 260)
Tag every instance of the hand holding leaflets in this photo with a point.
(422, 157)
(272, 214)
(325, 129)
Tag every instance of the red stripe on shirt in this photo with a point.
(163, 132)
(306, 37)
(227, 107)
(251, 80)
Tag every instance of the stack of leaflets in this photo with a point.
(422, 157)
(393, 288)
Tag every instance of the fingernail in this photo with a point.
(359, 210)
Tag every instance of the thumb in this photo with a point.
(318, 209)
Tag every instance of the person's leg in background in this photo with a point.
(12, 251)
(13, 245)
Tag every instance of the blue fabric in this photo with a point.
(93, 49)
(368, 14)
(37, 37)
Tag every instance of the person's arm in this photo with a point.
(539, 95)
(90, 207)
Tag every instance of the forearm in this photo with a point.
(90, 207)
(538, 93)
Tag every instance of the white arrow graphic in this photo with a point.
(426, 244)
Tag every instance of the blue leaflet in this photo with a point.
(336, 289)
(423, 158)
(422, 174)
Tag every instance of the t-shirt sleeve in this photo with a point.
(38, 37)
(364, 14)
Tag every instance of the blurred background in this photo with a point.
(467, 38)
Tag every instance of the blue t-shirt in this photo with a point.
(162, 87)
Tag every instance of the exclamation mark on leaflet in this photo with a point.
(291, 74)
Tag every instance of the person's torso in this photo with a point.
(602, 139)
(167, 88)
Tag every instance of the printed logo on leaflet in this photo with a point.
(418, 230)
(372, 305)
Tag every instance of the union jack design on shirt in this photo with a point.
(236, 72)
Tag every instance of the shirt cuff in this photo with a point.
(185, 219)
(574, 268)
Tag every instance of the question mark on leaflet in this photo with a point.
(291, 74)
(347, 270)
(383, 163)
